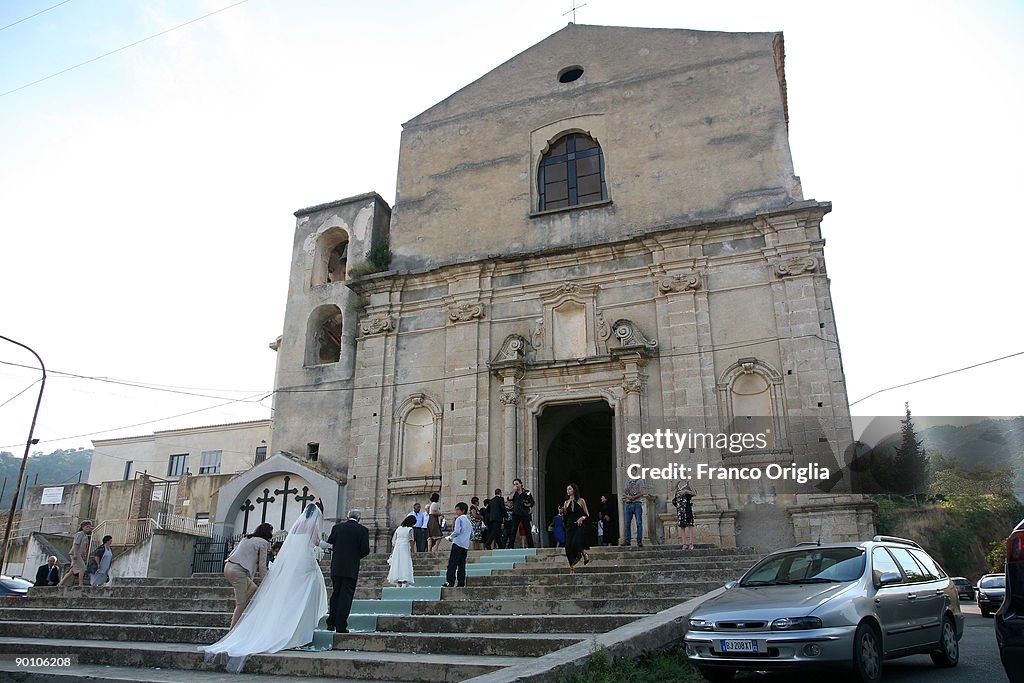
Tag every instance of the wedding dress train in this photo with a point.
(289, 604)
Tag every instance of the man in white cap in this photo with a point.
(350, 543)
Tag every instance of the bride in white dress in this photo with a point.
(289, 603)
(402, 544)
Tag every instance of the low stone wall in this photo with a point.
(655, 632)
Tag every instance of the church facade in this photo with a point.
(600, 238)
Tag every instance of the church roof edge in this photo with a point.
(578, 27)
(341, 202)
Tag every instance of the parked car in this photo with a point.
(991, 589)
(13, 587)
(1010, 617)
(964, 588)
(837, 606)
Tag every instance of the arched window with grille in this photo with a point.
(571, 173)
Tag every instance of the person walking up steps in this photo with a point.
(456, 575)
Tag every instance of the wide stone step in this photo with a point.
(588, 576)
(579, 591)
(375, 666)
(138, 602)
(475, 623)
(90, 631)
(479, 644)
(543, 608)
(120, 616)
(91, 673)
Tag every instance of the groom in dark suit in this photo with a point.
(350, 543)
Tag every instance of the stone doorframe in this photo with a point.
(617, 380)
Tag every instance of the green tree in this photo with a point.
(910, 470)
(997, 556)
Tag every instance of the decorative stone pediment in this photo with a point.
(465, 312)
(685, 282)
(569, 328)
(512, 350)
(378, 323)
(796, 266)
(630, 335)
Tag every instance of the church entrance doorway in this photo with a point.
(576, 444)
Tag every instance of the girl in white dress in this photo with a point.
(401, 554)
(289, 603)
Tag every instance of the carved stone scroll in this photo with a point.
(512, 349)
(377, 323)
(460, 313)
(797, 266)
(687, 282)
(628, 334)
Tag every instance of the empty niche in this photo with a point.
(569, 333)
(323, 335)
(331, 259)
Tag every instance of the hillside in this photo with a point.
(958, 532)
(57, 467)
(991, 444)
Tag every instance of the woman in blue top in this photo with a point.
(558, 527)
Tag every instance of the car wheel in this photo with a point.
(948, 653)
(867, 655)
(714, 674)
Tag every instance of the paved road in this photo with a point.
(979, 661)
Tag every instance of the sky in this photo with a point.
(146, 197)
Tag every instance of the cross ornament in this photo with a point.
(306, 495)
(573, 10)
(247, 507)
(267, 498)
(284, 501)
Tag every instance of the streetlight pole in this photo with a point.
(24, 461)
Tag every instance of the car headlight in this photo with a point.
(795, 623)
(701, 625)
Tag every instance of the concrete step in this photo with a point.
(543, 609)
(374, 666)
(476, 623)
(479, 644)
(137, 602)
(96, 673)
(90, 631)
(577, 590)
(119, 616)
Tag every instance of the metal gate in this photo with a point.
(208, 554)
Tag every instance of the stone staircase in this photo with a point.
(518, 605)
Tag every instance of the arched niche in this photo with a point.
(330, 258)
(323, 335)
(751, 401)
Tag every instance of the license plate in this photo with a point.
(749, 646)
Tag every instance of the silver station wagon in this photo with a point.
(838, 606)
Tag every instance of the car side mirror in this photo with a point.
(889, 578)
(731, 585)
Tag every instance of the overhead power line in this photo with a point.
(141, 385)
(15, 23)
(148, 422)
(941, 374)
(19, 393)
(123, 47)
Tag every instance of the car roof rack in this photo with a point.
(895, 539)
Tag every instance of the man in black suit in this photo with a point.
(48, 574)
(350, 543)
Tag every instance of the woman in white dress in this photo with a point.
(401, 554)
(289, 604)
